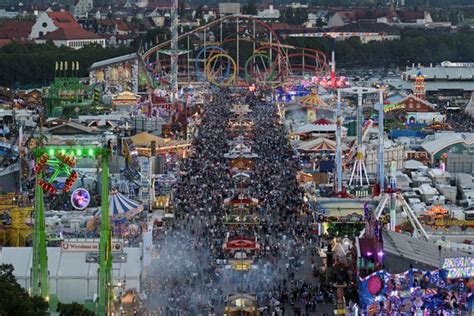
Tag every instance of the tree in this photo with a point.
(251, 8)
(158, 35)
(73, 309)
(199, 12)
(319, 22)
(14, 299)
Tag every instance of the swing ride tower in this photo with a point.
(359, 177)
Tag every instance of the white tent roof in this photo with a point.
(443, 140)
(71, 278)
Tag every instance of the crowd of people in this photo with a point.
(190, 274)
(459, 120)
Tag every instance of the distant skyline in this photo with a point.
(408, 3)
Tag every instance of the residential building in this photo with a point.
(415, 17)
(81, 8)
(15, 31)
(229, 8)
(6, 14)
(269, 14)
(391, 17)
(342, 18)
(297, 5)
(313, 17)
(368, 32)
(63, 30)
(113, 27)
(119, 40)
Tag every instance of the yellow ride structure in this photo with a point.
(16, 224)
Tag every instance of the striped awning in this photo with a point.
(318, 145)
(121, 208)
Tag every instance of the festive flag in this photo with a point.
(60, 66)
(56, 67)
(65, 65)
(77, 65)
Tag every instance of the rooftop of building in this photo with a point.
(70, 34)
(63, 19)
(115, 60)
(11, 29)
(417, 250)
(446, 139)
(432, 86)
(442, 73)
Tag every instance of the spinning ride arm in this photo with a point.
(417, 227)
(378, 211)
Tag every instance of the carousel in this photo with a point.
(312, 100)
(122, 210)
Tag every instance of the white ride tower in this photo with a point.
(359, 177)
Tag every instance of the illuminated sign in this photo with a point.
(393, 107)
(460, 267)
(69, 246)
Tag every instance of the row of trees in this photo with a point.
(423, 47)
(34, 65)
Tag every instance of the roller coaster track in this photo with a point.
(281, 51)
(202, 28)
